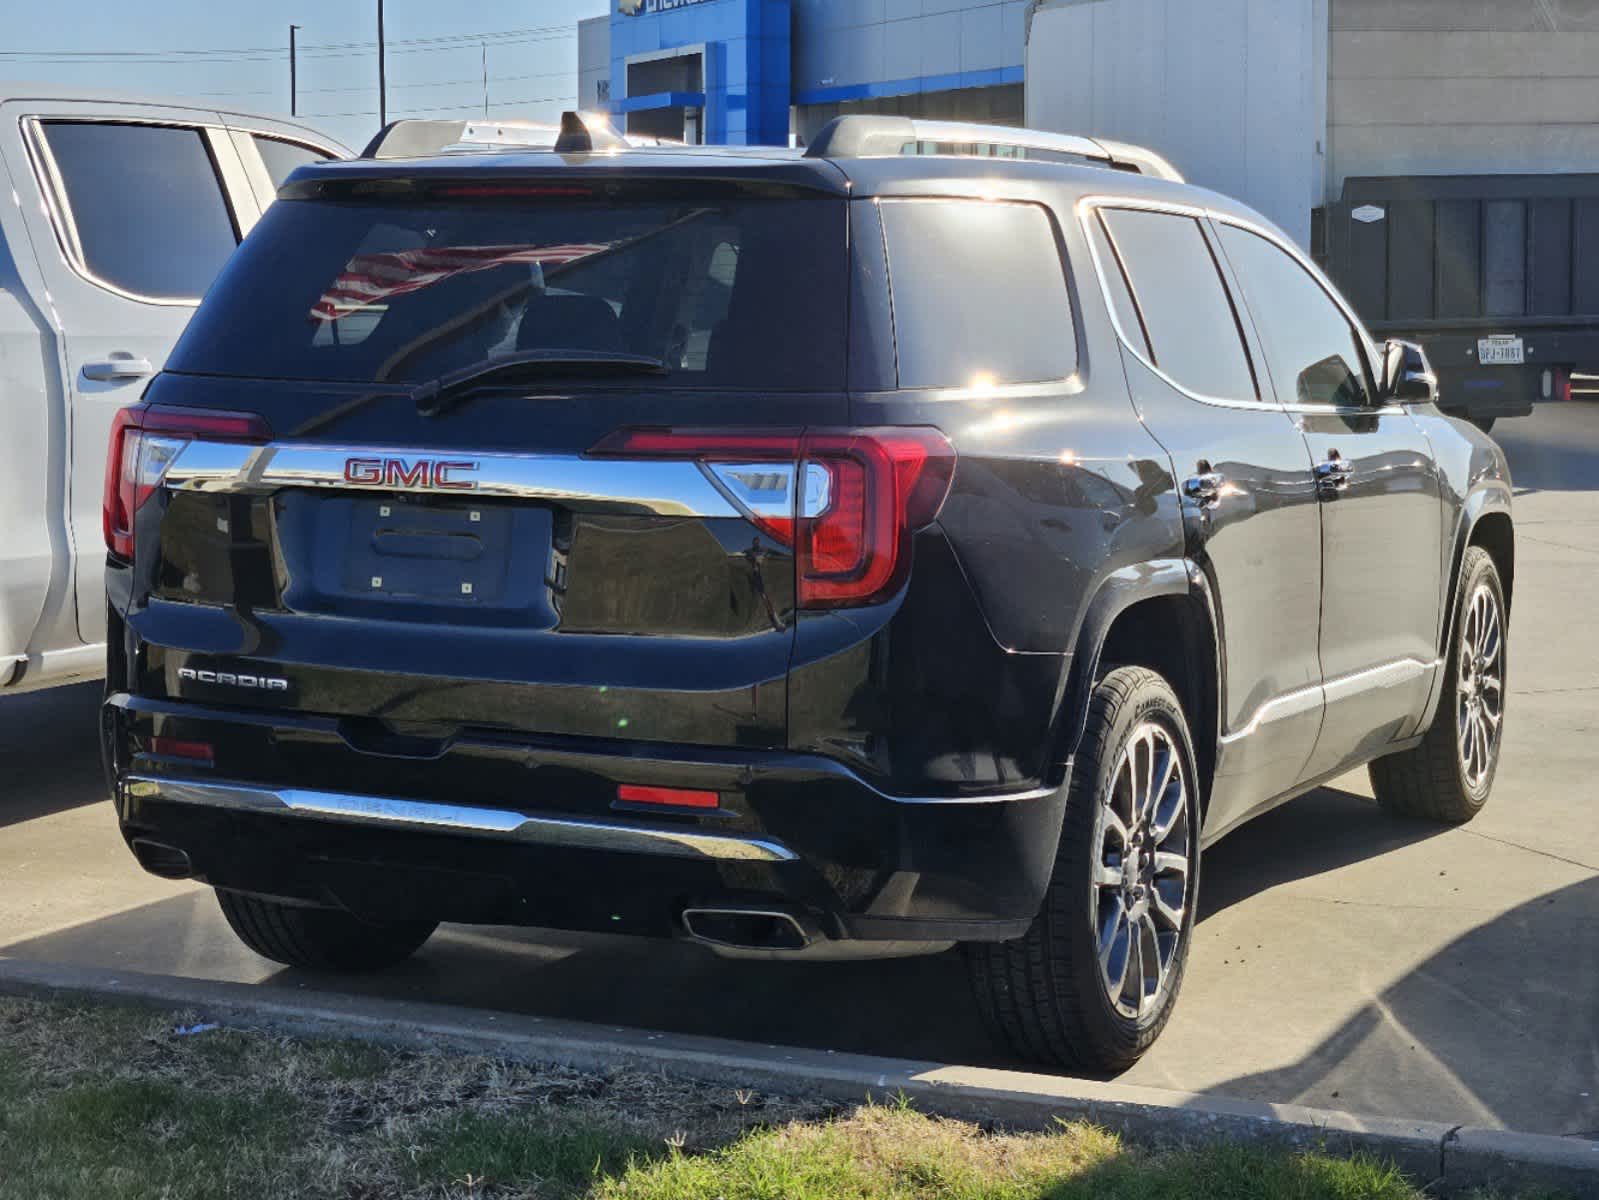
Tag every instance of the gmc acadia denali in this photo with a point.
(857, 551)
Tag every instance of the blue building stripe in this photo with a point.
(910, 87)
(658, 100)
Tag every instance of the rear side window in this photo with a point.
(1193, 332)
(979, 293)
(281, 158)
(146, 204)
(1311, 347)
(726, 292)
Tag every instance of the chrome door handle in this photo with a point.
(118, 368)
(1335, 472)
(1205, 488)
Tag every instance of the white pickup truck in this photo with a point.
(116, 212)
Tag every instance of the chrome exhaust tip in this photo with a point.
(762, 930)
(160, 859)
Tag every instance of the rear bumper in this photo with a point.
(496, 831)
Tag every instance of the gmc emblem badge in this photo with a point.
(419, 474)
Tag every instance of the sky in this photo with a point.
(234, 53)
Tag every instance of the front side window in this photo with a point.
(145, 200)
(1311, 348)
(979, 294)
(1192, 329)
(724, 292)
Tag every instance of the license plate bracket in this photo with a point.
(1501, 350)
(397, 558)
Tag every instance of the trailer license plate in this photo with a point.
(1501, 350)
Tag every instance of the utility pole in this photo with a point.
(485, 81)
(383, 89)
(293, 92)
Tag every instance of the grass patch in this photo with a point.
(113, 1104)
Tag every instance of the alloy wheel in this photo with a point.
(1142, 871)
(1480, 686)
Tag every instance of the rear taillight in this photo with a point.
(144, 441)
(847, 501)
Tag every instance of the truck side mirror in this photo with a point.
(1407, 376)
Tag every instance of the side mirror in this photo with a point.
(1407, 376)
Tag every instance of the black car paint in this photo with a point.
(913, 752)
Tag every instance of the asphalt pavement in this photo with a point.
(1343, 959)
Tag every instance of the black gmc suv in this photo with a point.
(859, 551)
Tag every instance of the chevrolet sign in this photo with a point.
(632, 8)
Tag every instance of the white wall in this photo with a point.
(1233, 92)
(593, 60)
(1474, 87)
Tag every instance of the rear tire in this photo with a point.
(320, 939)
(1123, 889)
(1449, 775)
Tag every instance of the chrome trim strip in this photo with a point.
(1089, 206)
(1344, 687)
(423, 816)
(656, 486)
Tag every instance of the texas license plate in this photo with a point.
(1501, 350)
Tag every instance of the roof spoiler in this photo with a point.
(578, 133)
(889, 137)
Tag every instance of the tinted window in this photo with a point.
(1193, 333)
(979, 293)
(1310, 345)
(747, 293)
(1121, 299)
(282, 157)
(149, 211)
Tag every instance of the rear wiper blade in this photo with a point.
(437, 395)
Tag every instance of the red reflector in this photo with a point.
(632, 793)
(173, 748)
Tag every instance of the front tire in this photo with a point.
(1094, 980)
(1449, 775)
(320, 939)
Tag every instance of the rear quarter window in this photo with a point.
(979, 292)
(1185, 309)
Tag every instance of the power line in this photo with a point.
(271, 54)
(444, 108)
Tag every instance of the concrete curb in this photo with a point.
(1449, 1157)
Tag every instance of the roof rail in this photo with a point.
(887, 137)
(578, 133)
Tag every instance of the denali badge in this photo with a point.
(264, 683)
(410, 474)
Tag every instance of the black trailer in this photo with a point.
(1496, 275)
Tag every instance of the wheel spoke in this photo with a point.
(1108, 875)
(1136, 933)
(1171, 913)
(1115, 949)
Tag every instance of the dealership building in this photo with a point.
(754, 71)
(1276, 101)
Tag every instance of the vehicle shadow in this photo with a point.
(1328, 828)
(907, 1008)
(1499, 1025)
(49, 743)
(1553, 449)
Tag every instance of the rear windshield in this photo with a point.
(742, 293)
